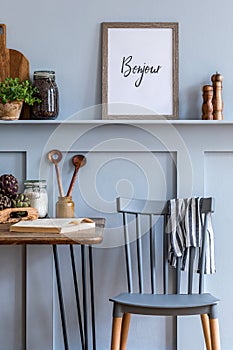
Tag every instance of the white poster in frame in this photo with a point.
(139, 70)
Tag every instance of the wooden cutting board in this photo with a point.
(13, 64)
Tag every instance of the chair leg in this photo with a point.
(206, 330)
(125, 330)
(116, 333)
(215, 337)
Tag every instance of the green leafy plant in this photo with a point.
(14, 90)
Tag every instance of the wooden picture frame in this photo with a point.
(140, 70)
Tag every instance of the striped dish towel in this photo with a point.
(185, 225)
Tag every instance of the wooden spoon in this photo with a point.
(55, 157)
(78, 161)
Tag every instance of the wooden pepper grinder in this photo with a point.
(207, 106)
(217, 96)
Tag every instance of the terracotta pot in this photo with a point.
(10, 110)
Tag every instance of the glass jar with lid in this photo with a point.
(36, 191)
(48, 108)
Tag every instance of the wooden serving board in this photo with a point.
(13, 64)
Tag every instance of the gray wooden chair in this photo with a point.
(166, 303)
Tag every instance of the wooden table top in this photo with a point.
(90, 236)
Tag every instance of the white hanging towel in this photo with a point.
(186, 226)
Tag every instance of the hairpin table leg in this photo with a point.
(60, 297)
(84, 271)
(77, 295)
(92, 297)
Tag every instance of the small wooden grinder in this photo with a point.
(217, 96)
(207, 106)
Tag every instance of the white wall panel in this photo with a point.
(218, 183)
(12, 273)
(106, 176)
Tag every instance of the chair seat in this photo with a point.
(168, 301)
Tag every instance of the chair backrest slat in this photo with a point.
(202, 257)
(139, 254)
(128, 254)
(165, 256)
(178, 275)
(192, 251)
(152, 257)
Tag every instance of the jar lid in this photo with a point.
(39, 183)
(40, 74)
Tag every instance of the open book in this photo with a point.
(53, 225)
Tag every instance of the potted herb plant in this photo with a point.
(13, 93)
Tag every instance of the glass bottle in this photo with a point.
(48, 93)
(36, 191)
(65, 207)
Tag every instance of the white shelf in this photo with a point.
(118, 122)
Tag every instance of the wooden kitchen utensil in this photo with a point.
(78, 161)
(13, 64)
(55, 157)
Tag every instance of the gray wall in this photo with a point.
(166, 161)
(65, 36)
